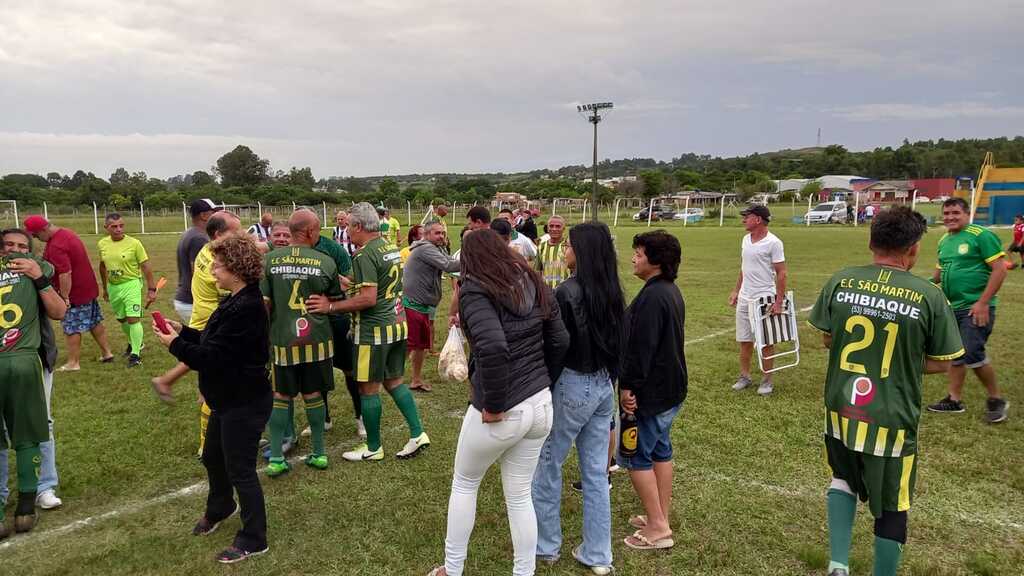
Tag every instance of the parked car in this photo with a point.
(660, 213)
(827, 213)
(924, 200)
(691, 215)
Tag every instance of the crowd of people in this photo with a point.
(557, 357)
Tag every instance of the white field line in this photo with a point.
(194, 488)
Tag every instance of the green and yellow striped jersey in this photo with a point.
(379, 264)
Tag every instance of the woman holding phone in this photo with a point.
(231, 357)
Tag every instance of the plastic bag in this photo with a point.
(453, 364)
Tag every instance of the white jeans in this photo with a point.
(515, 444)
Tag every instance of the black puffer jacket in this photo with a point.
(514, 351)
(584, 354)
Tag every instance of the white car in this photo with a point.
(827, 213)
(690, 215)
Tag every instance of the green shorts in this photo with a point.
(379, 362)
(886, 483)
(126, 299)
(308, 378)
(22, 399)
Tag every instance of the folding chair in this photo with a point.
(773, 329)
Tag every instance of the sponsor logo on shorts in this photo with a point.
(136, 308)
(862, 391)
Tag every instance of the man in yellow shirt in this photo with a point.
(123, 263)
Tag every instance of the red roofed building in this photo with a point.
(934, 187)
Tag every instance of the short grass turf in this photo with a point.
(750, 471)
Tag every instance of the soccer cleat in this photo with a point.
(134, 360)
(233, 555)
(128, 351)
(318, 461)
(47, 500)
(308, 431)
(765, 388)
(995, 410)
(362, 453)
(286, 446)
(24, 523)
(275, 469)
(948, 406)
(360, 428)
(741, 383)
(413, 446)
(599, 570)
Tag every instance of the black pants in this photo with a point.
(229, 455)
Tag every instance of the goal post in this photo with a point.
(9, 214)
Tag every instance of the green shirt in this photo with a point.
(963, 259)
(123, 258)
(291, 275)
(20, 309)
(378, 263)
(340, 256)
(883, 323)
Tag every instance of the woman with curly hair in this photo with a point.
(231, 357)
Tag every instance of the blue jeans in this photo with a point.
(48, 466)
(583, 406)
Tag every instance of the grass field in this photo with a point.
(750, 473)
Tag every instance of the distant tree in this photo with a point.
(388, 187)
(654, 183)
(55, 180)
(811, 188)
(27, 180)
(242, 167)
(120, 177)
(78, 179)
(300, 178)
(201, 178)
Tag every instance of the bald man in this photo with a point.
(260, 231)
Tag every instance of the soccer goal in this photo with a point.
(9, 214)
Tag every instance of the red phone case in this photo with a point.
(161, 323)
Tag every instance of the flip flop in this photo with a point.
(640, 542)
(421, 388)
(66, 369)
(638, 521)
(107, 360)
(437, 571)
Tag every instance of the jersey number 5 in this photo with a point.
(10, 314)
(891, 330)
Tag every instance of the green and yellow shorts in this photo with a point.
(126, 299)
(885, 483)
(379, 362)
(307, 378)
(22, 399)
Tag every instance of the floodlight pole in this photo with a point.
(595, 117)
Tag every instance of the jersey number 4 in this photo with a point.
(295, 301)
(10, 314)
(891, 330)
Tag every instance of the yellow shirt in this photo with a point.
(205, 294)
(123, 259)
(404, 255)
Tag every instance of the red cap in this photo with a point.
(35, 224)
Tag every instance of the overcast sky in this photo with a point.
(397, 86)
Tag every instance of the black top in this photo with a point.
(654, 364)
(232, 353)
(528, 228)
(192, 241)
(584, 354)
(515, 351)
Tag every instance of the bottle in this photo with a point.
(627, 438)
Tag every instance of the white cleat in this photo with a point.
(414, 446)
(47, 500)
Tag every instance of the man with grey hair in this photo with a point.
(551, 253)
(422, 292)
(379, 333)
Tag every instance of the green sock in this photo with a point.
(407, 404)
(371, 409)
(842, 507)
(278, 425)
(315, 415)
(887, 556)
(135, 337)
(290, 432)
(29, 460)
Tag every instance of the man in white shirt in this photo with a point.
(763, 273)
(260, 231)
(518, 242)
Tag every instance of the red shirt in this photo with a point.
(67, 254)
(1018, 234)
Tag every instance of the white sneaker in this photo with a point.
(47, 500)
(360, 428)
(413, 446)
(741, 383)
(363, 453)
(765, 388)
(308, 431)
(599, 570)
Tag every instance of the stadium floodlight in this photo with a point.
(594, 116)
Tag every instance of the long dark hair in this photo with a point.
(597, 274)
(488, 261)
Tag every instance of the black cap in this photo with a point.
(502, 227)
(203, 205)
(758, 210)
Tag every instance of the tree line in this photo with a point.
(242, 177)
